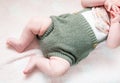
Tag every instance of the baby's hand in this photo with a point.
(113, 7)
(116, 19)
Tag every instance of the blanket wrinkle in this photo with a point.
(19, 56)
(24, 55)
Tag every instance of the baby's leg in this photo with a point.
(55, 66)
(36, 26)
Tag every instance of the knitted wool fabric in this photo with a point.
(69, 37)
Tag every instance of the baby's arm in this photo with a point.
(91, 3)
(112, 6)
(113, 39)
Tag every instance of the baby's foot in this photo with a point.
(31, 65)
(12, 42)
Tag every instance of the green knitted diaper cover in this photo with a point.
(69, 37)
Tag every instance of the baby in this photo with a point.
(66, 39)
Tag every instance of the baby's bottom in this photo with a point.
(36, 26)
(54, 66)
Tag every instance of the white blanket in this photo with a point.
(101, 66)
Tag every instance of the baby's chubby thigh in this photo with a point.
(59, 66)
(38, 25)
